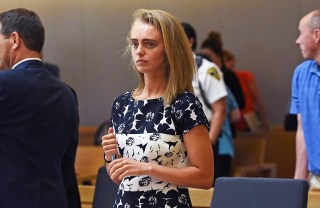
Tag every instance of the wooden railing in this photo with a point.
(200, 198)
(279, 149)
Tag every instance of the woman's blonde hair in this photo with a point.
(178, 54)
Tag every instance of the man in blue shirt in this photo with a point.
(306, 101)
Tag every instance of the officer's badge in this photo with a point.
(214, 73)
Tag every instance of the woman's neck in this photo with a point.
(154, 88)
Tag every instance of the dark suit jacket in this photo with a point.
(53, 69)
(38, 139)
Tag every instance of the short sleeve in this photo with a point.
(212, 83)
(113, 112)
(188, 113)
(295, 103)
(118, 112)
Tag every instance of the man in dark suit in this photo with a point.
(53, 69)
(38, 121)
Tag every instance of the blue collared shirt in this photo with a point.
(306, 101)
(226, 145)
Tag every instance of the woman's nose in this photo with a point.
(140, 50)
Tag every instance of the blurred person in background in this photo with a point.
(251, 94)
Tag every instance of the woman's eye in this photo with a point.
(150, 44)
(134, 44)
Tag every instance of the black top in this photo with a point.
(232, 81)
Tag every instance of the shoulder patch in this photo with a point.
(214, 73)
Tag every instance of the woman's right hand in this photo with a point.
(109, 145)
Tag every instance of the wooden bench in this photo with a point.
(314, 199)
(86, 135)
(249, 159)
(279, 149)
(88, 160)
(86, 195)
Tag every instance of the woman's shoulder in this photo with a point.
(188, 112)
(186, 98)
(186, 95)
(125, 96)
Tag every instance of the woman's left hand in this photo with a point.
(123, 167)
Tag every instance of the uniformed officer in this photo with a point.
(209, 86)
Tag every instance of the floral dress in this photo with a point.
(148, 131)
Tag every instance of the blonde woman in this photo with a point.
(160, 134)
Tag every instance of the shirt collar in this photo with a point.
(27, 59)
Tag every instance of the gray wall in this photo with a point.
(87, 39)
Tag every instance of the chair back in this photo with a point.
(101, 131)
(105, 191)
(260, 192)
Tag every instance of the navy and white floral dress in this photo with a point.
(147, 131)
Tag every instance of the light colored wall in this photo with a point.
(87, 39)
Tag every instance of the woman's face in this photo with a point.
(213, 57)
(147, 48)
(230, 64)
